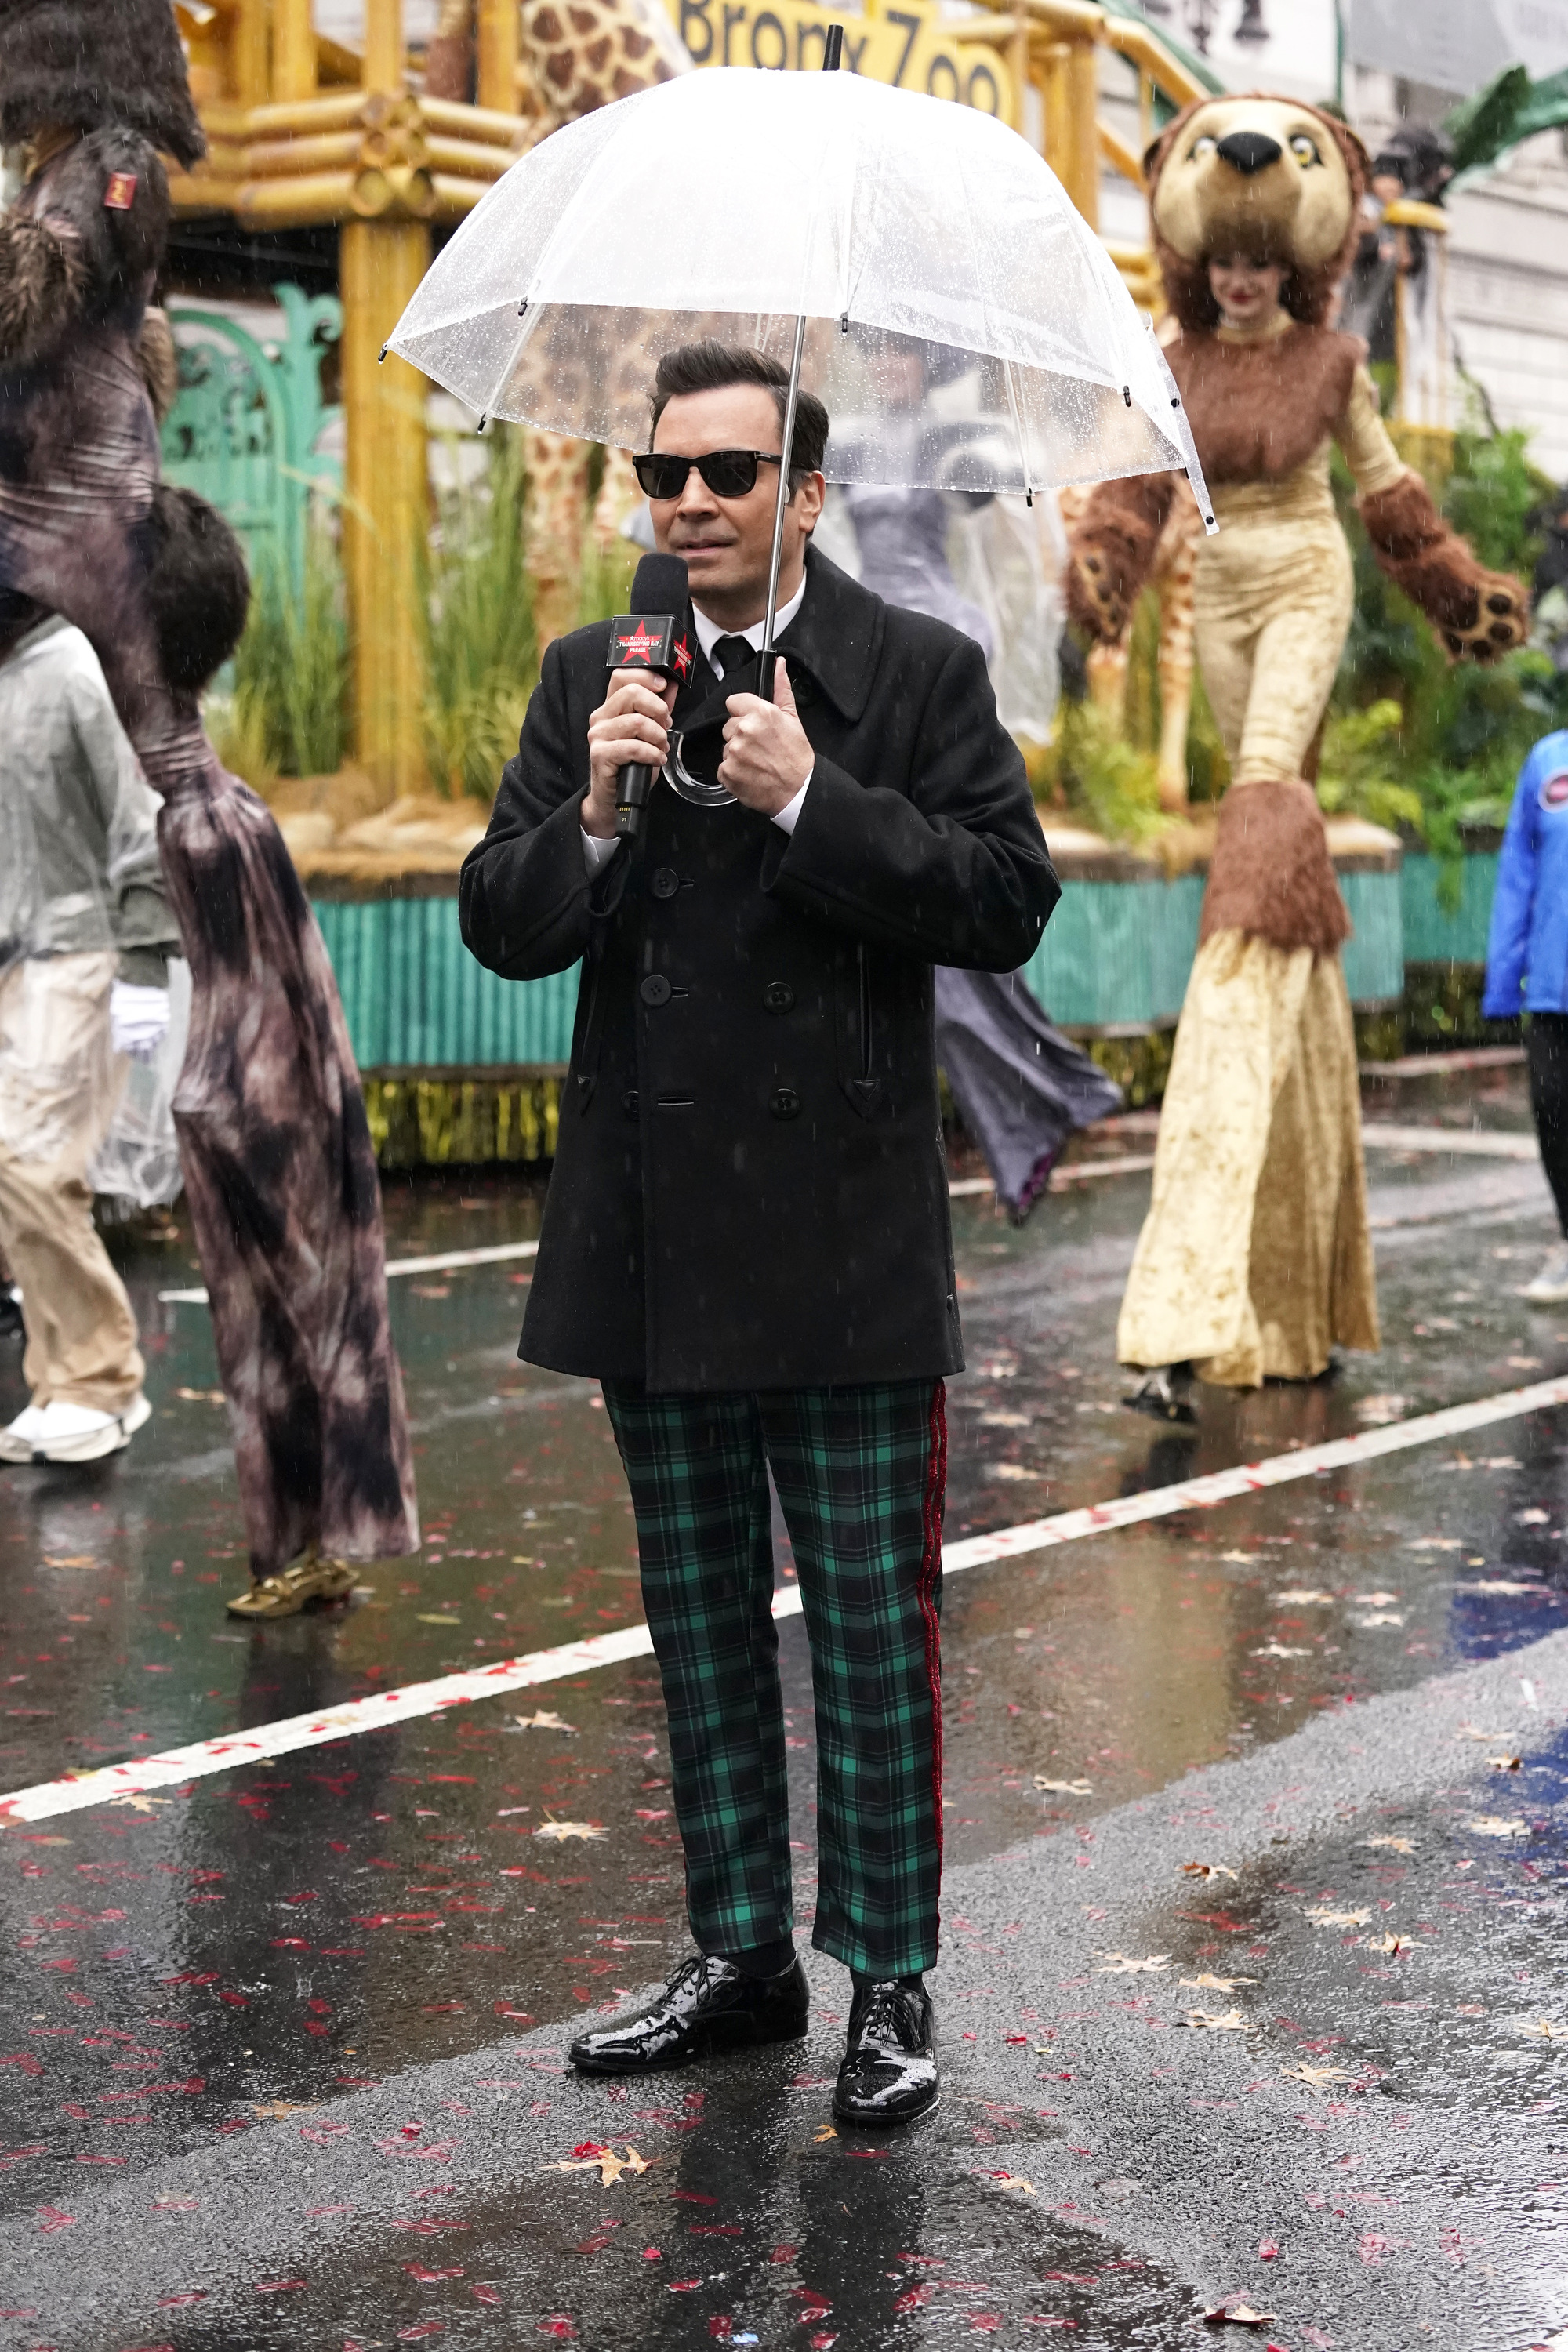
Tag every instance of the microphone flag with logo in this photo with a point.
(653, 637)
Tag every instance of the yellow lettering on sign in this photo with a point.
(904, 46)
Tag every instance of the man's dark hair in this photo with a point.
(712, 367)
(198, 586)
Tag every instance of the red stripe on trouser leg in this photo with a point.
(929, 1576)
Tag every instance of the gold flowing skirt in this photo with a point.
(1255, 1257)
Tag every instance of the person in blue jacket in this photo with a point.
(1527, 968)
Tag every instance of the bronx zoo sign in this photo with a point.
(908, 46)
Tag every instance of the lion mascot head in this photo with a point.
(1266, 178)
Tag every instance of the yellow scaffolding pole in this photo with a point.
(382, 260)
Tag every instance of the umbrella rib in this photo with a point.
(1008, 366)
(512, 359)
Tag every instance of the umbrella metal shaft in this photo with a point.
(791, 399)
(832, 50)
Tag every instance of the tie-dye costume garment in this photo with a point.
(281, 1180)
(277, 1157)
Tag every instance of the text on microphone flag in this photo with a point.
(640, 646)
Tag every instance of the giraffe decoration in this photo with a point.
(579, 54)
(1171, 577)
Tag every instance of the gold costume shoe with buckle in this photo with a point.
(310, 1578)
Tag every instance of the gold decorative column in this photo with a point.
(293, 50)
(248, 51)
(498, 31)
(385, 512)
(1082, 176)
(382, 258)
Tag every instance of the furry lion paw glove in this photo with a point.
(1478, 615)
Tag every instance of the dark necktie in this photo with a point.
(730, 653)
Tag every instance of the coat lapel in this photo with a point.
(835, 638)
(836, 635)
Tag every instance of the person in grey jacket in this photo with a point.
(85, 935)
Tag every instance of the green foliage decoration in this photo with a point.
(1092, 770)
(1413, 741)
(287, 710)
(482, 653)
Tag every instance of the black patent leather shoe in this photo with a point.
(889, 2072)
(707, 2005)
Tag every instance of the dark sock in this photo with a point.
(910, 1984)
(763, 1959)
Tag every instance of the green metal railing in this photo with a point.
(248, 418)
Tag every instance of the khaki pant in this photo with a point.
(58, 1084)
(1272, 606)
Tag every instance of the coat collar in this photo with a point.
(835, 637)
(836, 634)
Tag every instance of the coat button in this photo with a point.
(655, 990)
(778, 997)
(665, 882)
(630, 1102)
(784, 1103)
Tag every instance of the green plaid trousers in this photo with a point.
(861, 1473)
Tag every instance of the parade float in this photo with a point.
(404, 590)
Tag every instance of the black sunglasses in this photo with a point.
(728, 473)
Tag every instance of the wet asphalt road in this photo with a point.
(1261, 1998)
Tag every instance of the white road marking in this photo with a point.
(1468, 1142)
(176, 1766)
(1083, 1172)
(1076, 1172)
(1440, 1066)
(1471, 1140)
(1481, 1143)
(446, 1262)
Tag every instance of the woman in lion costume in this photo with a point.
(1254, 1259)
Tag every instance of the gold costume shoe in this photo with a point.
(310, 1578)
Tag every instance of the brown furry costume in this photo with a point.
(277, 1157)
(1255, 1258)
(96, 91)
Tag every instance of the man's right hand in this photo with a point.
(631, 726)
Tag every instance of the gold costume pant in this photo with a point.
(1255, 1257)
(1273, 603)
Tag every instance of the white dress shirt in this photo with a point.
(709, 633)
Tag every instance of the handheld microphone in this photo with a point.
(651, 636)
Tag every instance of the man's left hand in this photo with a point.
(767, 752)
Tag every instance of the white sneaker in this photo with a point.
(75, 1433)
(1550, 1287)
(17, 1443)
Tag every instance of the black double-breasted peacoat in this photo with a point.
(749, 1190)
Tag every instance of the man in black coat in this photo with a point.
(746, 1238)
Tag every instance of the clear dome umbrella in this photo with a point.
(913, 260)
